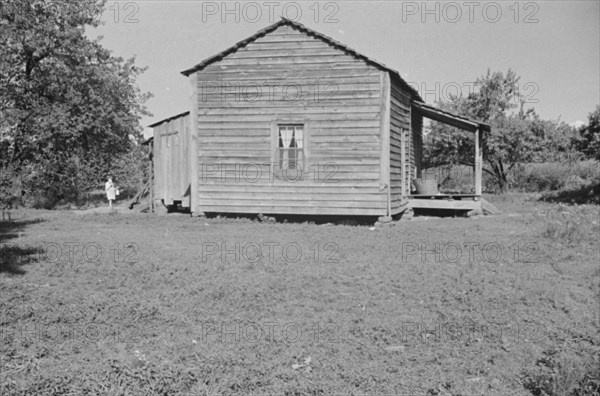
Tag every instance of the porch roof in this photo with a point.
(448, 118)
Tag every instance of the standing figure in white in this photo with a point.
(111, 191)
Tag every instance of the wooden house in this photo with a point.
(290, 121)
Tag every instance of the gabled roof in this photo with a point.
(310, 32)
(428, 111)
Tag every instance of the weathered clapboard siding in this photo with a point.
(289, 77)
(400, 127)
(171, 161)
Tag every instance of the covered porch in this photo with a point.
(460, 201)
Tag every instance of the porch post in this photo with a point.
(478, 167)
(151, 175)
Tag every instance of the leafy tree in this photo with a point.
(589, 142)
(68, 107)
(511, 140)
(556, 140)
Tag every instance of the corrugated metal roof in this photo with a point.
(310, 32)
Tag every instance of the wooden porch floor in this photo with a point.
(445, 201)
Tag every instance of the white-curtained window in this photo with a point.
(291, 146)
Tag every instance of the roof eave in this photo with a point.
(233, 48)
(157, 123)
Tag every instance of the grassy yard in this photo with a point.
(132, 304)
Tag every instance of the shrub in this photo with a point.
(553, 176)
(528, 177)
(561, 374)
(569, 225)
(589, 194)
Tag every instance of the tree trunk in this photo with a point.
(16, 190)
(502, 181)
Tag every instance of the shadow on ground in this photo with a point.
(589, 194)
(300, 219)
(333, 219)
(441, 212)
(14, 255)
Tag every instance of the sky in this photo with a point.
(439, 47)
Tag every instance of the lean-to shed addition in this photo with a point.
(172, 159)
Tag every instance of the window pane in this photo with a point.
(281, 159)
(286, 136)
(293, 159)
(299, 134)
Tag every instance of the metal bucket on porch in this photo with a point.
(426, 187)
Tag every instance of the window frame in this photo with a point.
(299, 151)
(275, 149)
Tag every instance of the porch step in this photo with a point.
(488, 208)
